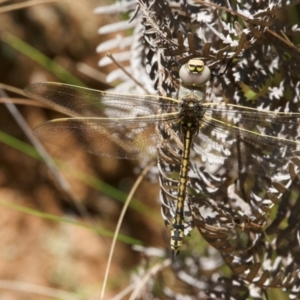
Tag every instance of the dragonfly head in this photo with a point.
(194, 73)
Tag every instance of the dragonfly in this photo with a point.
(268, 140)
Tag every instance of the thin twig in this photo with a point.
(108, 54)
(92, 73)
(23, 5)
(126, 204)
(37, 289)
(20, 101)
(124, 292)
(151, 272)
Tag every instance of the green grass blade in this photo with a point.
(41, 59)
(19, 145)
(100, 231)
(84, 177)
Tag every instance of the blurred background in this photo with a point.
(43, 242)
(60, 207)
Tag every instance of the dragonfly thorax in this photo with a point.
(194, 73)
(191, 112)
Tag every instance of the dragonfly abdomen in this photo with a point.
(177, 231)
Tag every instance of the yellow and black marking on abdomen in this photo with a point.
(177, 231)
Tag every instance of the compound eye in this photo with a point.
(200, 69)
(195, 66)
(191, 68)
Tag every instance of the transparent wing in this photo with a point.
(82, 102)
(108, 124)
(129, 140)
(245, 139)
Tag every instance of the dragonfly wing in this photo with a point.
(124, 140)
(248, 140)
(78, 101)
